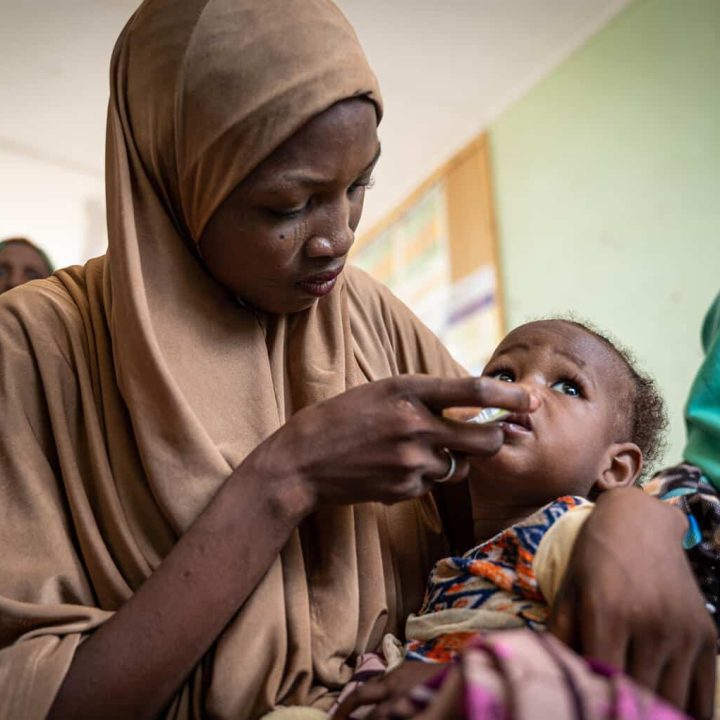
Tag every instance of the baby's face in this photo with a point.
(561, 448)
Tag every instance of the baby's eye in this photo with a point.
(567, 387)
(503, 376)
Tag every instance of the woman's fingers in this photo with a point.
(371, 693)
(389, 434)
(700, 702)
(468, 438)
(393, 709)
(675, 681)
(448, 702)
(389, 694)
(675, 672)
(640, 609)
(441, 393)
(442, 466)
(564, 616)
(688, 677)
(462, 467)
(646, 663)
(603, 634)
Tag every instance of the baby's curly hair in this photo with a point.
(644, 408)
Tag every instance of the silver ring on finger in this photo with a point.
(451, 469)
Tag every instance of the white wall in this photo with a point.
(61, 210)
(445, 69)
(53, 94)
(607, 178)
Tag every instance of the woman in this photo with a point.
(184, 457)
(21, 261)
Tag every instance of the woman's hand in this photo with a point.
(383, 441)
(389, 695)
(380, 441)
(629, 598)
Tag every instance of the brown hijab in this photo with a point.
(132, 387)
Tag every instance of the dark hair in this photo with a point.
(644, 408)
(28, 243)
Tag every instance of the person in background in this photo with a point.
(702, 414)
(21, 261)
(694, 485)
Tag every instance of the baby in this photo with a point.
(599, 424)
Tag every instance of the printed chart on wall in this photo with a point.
(412, 258)
(434, 255)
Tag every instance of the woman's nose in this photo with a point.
(334, 236)
(319, 246)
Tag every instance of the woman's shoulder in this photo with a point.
(46, 317)
(363, 285)
(375, 301)
(60, 291)
(381, 321)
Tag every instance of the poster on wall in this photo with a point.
(413, 256)
(474, 324)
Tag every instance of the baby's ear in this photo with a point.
(624, 462)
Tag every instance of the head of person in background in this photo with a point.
(20, 262)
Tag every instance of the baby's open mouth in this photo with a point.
(518, 421)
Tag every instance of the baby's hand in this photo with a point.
(388, 696)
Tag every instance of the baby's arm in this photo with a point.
(553, 553)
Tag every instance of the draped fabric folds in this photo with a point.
(131, 387)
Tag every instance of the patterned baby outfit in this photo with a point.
(491, 586)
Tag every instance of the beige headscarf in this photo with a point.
(132, 387)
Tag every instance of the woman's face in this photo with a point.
(282, 237)
(20, 263)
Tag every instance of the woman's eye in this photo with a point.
(365, 184)
(286, 214)
(567, 387)
(503, 376)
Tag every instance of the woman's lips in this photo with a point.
(321, 284)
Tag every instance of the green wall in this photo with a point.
(607, 182)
